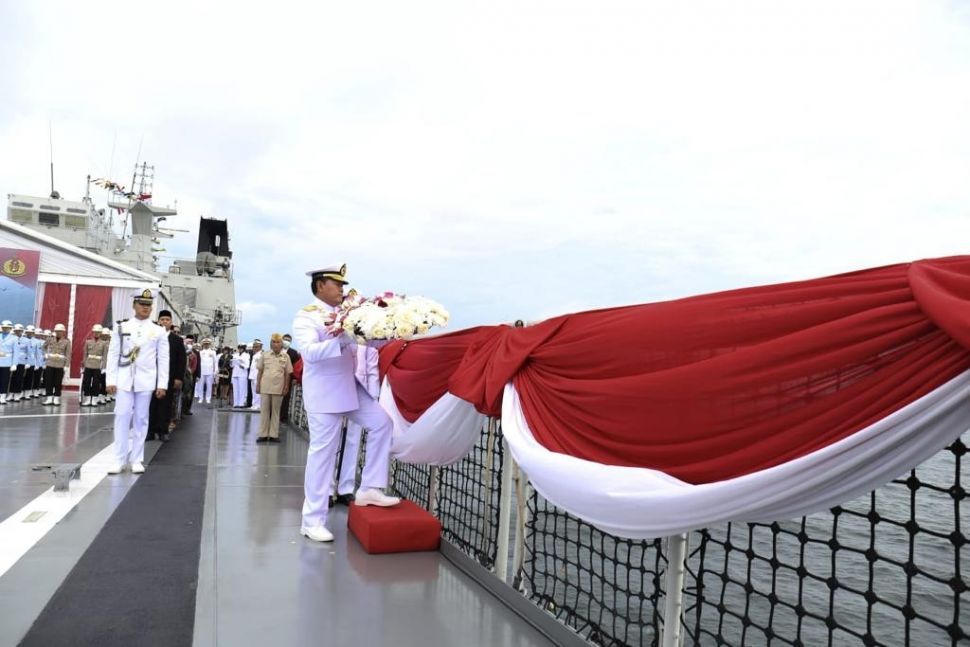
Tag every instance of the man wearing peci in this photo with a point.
(331, 391)
(160, 409)
(137, 370)
(294, 355)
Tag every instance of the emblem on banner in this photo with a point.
(14, 267)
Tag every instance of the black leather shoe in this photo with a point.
(261, 440)
(345, 499)
(186, 413)
(273, 440)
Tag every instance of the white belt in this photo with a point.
(49, 355)
(94, 357)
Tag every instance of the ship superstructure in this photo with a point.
(128, 230)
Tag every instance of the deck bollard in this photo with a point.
(64, 474)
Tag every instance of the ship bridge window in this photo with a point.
(75, 221)
(20, 215)
(23, 204)
(50, 207)
(80, 211)
(49, 218)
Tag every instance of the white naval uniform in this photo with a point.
(367, 374)
(331, 391)
(240, 378)
(208, 363)
(253, 376)
(136, 383)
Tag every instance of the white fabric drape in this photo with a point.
(444, 434)
(121, 299)
(642, 503)
(39, 293)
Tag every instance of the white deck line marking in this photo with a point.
(58, 415)
(17, 537)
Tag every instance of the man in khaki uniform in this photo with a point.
(95, 351)
(272, 384)
(103, 397)
(57, 351)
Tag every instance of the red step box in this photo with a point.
(403, 528)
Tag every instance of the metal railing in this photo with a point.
(889, 568)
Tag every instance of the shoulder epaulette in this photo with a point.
(311, 307)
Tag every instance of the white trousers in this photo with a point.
(322, 454)
(348, 464)
(256, 398)
(203, 387)
(239, 392)
(131, 425)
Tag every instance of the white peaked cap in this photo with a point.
(335, 272)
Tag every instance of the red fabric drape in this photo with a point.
(57, 305)
(714, 386)
(91, 304)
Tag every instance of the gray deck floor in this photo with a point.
(260, 582)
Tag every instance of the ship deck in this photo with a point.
(204, 549)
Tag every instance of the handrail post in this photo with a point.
(504, 515)
(674, 589)
(433, 489)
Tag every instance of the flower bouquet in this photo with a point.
(386, 317)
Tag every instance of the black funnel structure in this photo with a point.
(214, 237)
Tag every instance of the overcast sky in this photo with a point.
(511, 160)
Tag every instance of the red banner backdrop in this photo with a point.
(715, 386)
(57, 305)
(91, 304)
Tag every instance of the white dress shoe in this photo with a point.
(57, 400)
(138, 468)
(116, 468)
(373, 496)
(49, 400)
(317, 533)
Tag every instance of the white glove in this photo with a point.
(346, 340)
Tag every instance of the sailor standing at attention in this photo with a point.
(7, 339)
(20, 361)
(28, 383)
(40, 362)
(254, 373)
(57, 351)
(208, 369)
(240, 377)
(331, 391)
(92, 359)
(137, 368)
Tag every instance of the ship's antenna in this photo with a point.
(111, 160)
(50, 139)
(134, 173)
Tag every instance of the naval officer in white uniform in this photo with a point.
(331, 391)
(137, 368)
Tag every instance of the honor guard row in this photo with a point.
(32, 362)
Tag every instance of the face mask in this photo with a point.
(286, 344)
(188, 346)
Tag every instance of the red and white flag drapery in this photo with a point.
(750, 405)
